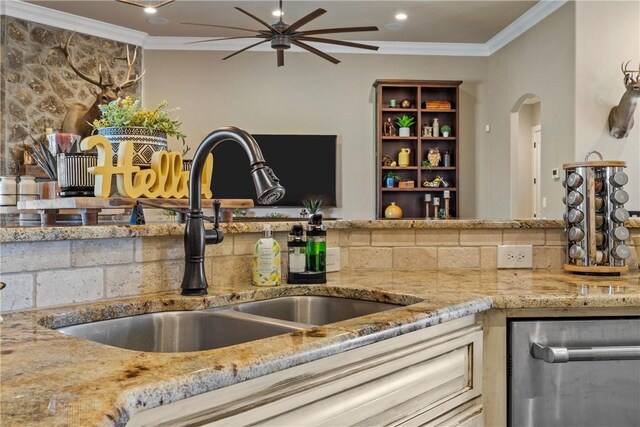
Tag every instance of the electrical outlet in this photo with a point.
(515, 256)
(333, 259)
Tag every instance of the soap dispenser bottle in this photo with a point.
(316, 245)
(266, 260)
(296, 255)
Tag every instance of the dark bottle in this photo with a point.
(316, 245)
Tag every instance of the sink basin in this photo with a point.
(181, 331)
(313, 310)
(177, 331)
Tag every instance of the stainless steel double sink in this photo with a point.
(182, 331)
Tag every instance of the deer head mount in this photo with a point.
(79, 116)
(621, 116)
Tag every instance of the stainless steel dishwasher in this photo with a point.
(574, 372)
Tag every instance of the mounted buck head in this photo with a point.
(79, 116)
(621, 117)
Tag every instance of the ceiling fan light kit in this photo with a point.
(283, 35)
(151, 4)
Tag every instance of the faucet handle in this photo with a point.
(216, 214)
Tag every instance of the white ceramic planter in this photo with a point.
(404, 132)
(445, 134)
(145, 142)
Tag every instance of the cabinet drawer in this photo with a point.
(421, 374)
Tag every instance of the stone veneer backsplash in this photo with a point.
(37, 83)
(42, 274)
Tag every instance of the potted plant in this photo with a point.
(124, 119)
(390, 179)
(405, 122)
(446, 130)
(313, 206)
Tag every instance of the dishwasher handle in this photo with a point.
(576, 354)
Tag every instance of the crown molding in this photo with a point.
(385, 47)
(531, 17)
(42, 15)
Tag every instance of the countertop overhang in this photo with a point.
(110, 231)
(52, 379)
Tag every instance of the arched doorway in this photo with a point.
(526, 148)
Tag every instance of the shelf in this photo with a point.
(399, 110)
(399, 168)
(420, 93)
(396, 189)
(439, 168)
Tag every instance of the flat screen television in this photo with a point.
(305, 165)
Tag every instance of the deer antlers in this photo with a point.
(127, 82)
(628, 74)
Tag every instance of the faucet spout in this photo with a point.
(268, 190)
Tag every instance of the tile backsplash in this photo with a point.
(48, 273)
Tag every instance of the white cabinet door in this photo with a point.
(419, 375)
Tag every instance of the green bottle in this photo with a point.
(316, 245)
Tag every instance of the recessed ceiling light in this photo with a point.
(277, 13)
(158, 21)
(393, 26)
(150, 10)
(401, 16)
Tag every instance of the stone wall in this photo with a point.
(38, 84)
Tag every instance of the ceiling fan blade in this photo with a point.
(219, 39)
(220, 26)
(339, 30)
(280, 58)
(314, 50)
(246, 48)
(305, 19)
(339, 42)
(258, 19)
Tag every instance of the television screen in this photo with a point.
(305, 165)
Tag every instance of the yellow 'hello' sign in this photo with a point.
(165, 179)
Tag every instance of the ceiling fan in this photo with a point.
(283, 35)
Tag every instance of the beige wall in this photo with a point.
(310, 95)
(600, 49)
(540, 62)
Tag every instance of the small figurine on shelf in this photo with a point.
(386, 160)
(434, 157)
(388, 129)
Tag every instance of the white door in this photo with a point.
(536, 169)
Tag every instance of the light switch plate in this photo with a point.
(333, 259)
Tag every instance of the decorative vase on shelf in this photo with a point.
(145, 142)
(436, 128)
(389, 182)
(393, 211)
(403, 157)
(405, 132)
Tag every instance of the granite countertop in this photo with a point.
(35, 234)
(52, 379)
